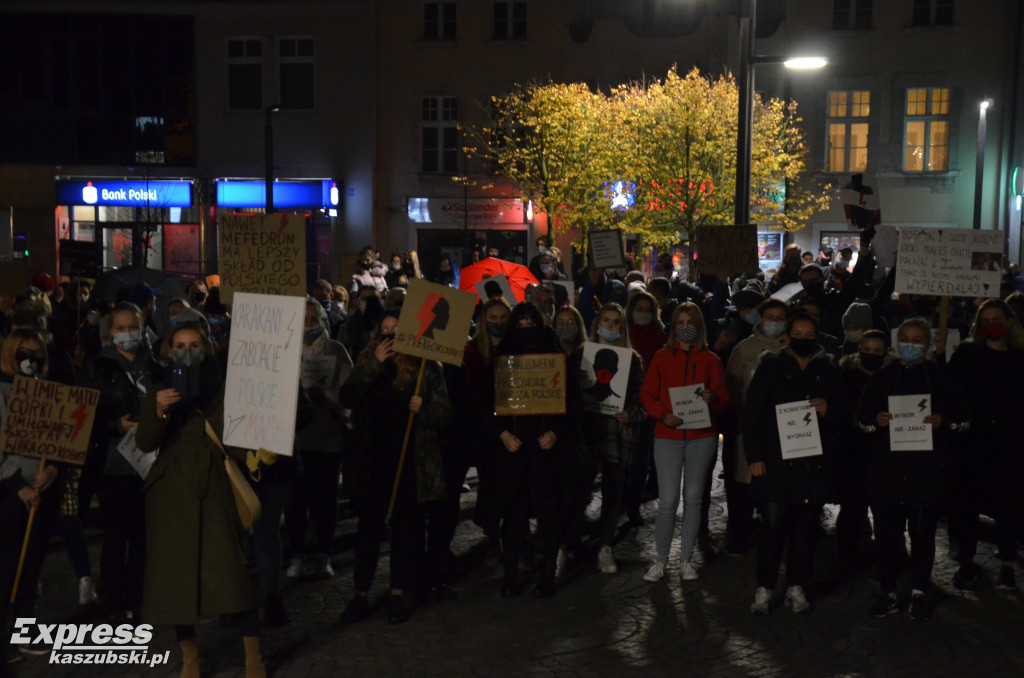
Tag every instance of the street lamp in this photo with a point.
(979, 169)
(268, 156)
(745, 118)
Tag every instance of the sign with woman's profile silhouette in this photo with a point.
(604, 377)
(434, 323)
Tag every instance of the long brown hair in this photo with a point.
(482, 339)
(1014, 333)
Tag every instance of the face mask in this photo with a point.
(495, 329)
(365, 264)
(773, 329)
(198, 297)
(752, 316)
(531, 335)
(187, 356)
(29, 362)
(993, 331)
(686, 334)
(313, 333)
(853, 336)
(566, 332)
(911, 353)
(803, 347)
(128, 341)
(546, 268)
(608, 335)
(815, 289)
(871, 361)
(643, 318)
(396, 267)
(842, 264)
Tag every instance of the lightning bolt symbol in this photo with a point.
(699, 392)
(232, 425)
(923, 404)
(284, 223)
(78, 416)
(554, 380)
(807, 419)
(426, 313)
(291, 332)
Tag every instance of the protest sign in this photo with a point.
(798, 430)
(604, 377)
(319, 371)
(529, 384)
(262, 254)
(606, 250)
(688, 404)
(139, 460)
(907, 430)
(725, 250)
(262, 385)
(951, 262)
(434, 323)
(860, 201)
(48, 420)
(495, 286)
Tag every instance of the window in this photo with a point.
(932, 13)
(847, 124)
(851, 14)
(510, 20)
(926, 139)
(245, 74)
(439, 21)
(440, 134)
(295, 63)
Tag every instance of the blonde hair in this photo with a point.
(581, 336)
(692, 310)
(623, 339)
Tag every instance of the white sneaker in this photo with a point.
(655, 573)
(560, 564)
(606, 561)
(697, 557)
(295, 568)
(87, 591)
(319, 567)
(762, 601)
(688, 571)
(796, 599)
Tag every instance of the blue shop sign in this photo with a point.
(112, 193)
(314, 194)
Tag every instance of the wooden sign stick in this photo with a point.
(405, 445)
(24, 544)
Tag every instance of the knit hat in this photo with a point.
(751, 295)
(858, 315)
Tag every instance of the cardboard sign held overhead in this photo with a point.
(264, 359)
(949, 262)
(606, 249)
(727, 250)
(262, 254)
(434, 323)
(48, 420)
(529, 384)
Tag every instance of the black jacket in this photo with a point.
(778, 380)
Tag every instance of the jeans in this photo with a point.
(670, 456)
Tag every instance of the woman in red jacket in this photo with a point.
(685, 361)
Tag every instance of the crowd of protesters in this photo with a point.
(827, 330)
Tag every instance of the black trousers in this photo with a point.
(123, 556)
(789, 525)
(613, 488)
(531, 478)
(408, 544)
(891, 518)
(314, 493)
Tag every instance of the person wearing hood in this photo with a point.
(767, 337)
(124, 374)
(790, 492)
(368, 271)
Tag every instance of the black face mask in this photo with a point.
(803, 347)
(530, 335)
(365, 264)
(815, 289)
(871, 361)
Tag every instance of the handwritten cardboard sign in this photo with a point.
(262, 254)
(907, 430)
(604, 377)
(48, 420)
(798, 430)
(264, 360)
(724, 250)
(606, 250)
(949, 262)
(434, 323)
(529, 384)
(689, 405)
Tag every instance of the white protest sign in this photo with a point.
(139, 460)
(494, 286)
(604, 377)
(950, 262)
(907, 430)
(319, 371)
(688, 404)
(798, 430)
(264, 358)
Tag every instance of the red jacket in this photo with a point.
(673, 367)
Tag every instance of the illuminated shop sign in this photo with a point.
(312, 194)
(109, 193)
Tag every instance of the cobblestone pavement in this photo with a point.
(602, 625)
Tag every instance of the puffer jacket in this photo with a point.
(673, 367)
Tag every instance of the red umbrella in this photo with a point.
(518, 275)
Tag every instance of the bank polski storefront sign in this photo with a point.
(114, 193)
(458, 211)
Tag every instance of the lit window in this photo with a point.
(296, 71)
(245, 74)
(439, 21)
(847, 124)
(439, 135)
(926, 133)
(510, 20)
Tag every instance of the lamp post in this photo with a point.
(979, 169)
(268, 156)
(745, 117)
